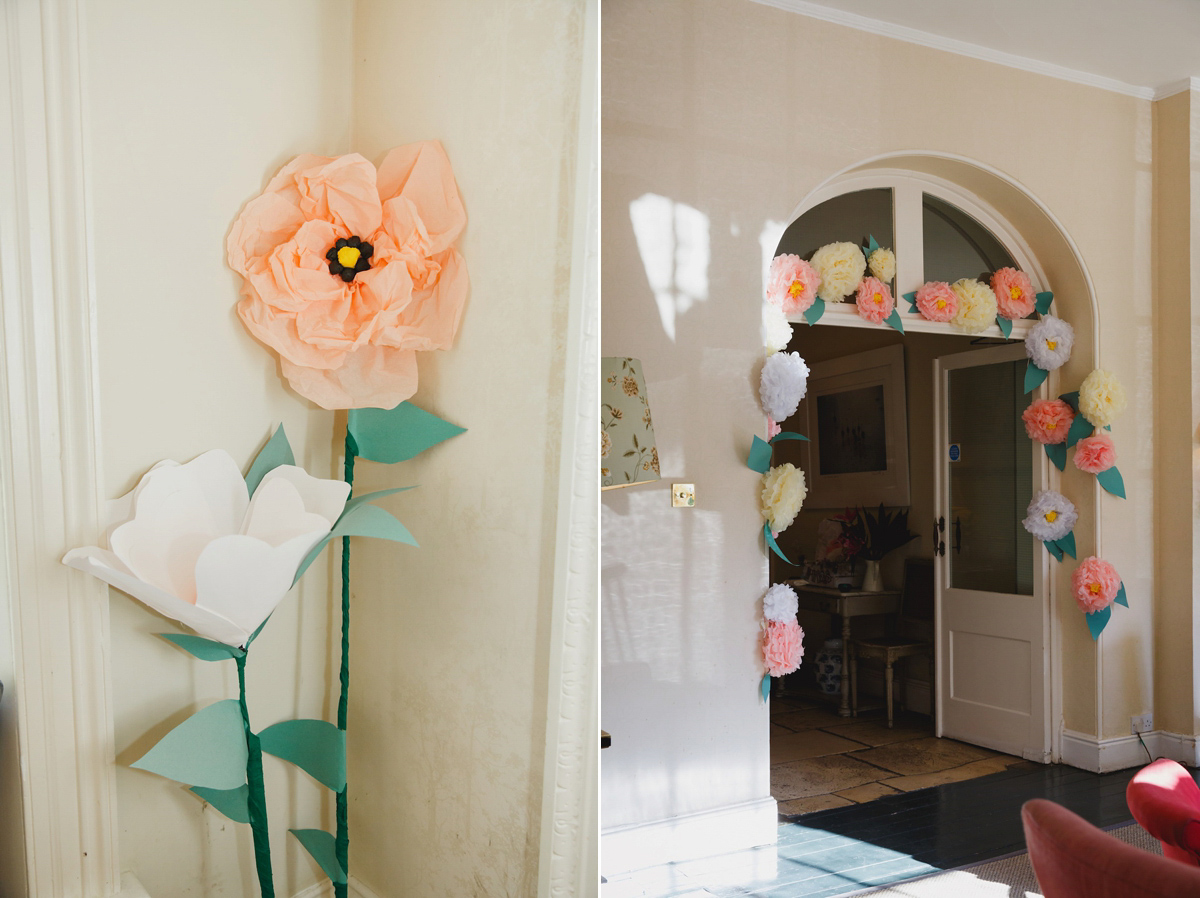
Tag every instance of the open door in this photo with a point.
(992, 610)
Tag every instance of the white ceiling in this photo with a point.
(1135, 46)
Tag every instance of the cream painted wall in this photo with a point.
(192, 107)
(447, 715)
(734, 111)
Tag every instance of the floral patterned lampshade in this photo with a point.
(627, 451)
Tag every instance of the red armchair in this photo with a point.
(1165, 800)
(1073, 859)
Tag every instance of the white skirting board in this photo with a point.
(324, 889)
(688, 836)
(1119, 753)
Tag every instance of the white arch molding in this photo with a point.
(1042, 247)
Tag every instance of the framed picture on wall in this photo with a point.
(857, 424)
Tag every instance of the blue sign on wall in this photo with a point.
(955, 452)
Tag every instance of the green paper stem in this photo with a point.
(256, 799)
(774, 545)
(342, 837)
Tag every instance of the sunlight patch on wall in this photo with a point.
(672, 239)
(768, 240)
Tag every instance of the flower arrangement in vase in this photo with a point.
(878, 534)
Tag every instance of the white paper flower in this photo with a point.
(976, 305)
(783, 384)
(776, 329)
(882, 263)
(192, 544)
(841, 266)
(1050, 342)
(783, 493)
(780, 603)
(1101, 398)
(1050, 515)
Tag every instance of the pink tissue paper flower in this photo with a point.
(1095, 583)
(874, 300)
(1014, 294)
(937, 302)
(792, 284)
(1095, 455)
(773, 429)
(783, 647)
(1048, 420)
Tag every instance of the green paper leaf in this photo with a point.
(774, 546)
(814, 312)
(1121, 598)
(788, 435)
(322, 846)
(1108, 427)
(759, 458)
(1071, 399)
(233, 803)
(911, 298)
(315, 746)
(1053, 548)
(894, 321)
(199, 647)
(1112, 481)
(208, 749)
(278, 451)
(1067, 544)
(1098, 620)
(1043, 301)
(1034, 376)
(398, 434)
(362, 520)
(355, 501)
(872, 245)
(765, 687)
(1005, 326)
(1080, 428)
(1057, 453)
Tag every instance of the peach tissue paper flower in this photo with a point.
(1095, 584)
(1014, 294)
(1047, 421)
(783, 647)
(349, 271)
(792, 284)
(937, 302)
(1095, 455)
(874, 300)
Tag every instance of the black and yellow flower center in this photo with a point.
(348, 256)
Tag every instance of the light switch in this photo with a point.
(683, 495)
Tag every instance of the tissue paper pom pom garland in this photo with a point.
(1014, 294)
(1050, 342)
(882, 264)
(937, 302)
(783, 647)
(783, 384)
(1050, 516)
(1095, 455)
(841, 267)
(976, 306)
(792, 284)
(776, 329)
(1101, 398)
(783, 493)
(780, 603)
(1095, 584)
(1048, 421)
(874, 300)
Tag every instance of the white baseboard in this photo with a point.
(1122, 752)
(689, 836)
(324, 888)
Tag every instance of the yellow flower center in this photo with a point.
(796, 289)
(941, 304)
(1051, 517)
(348, 256)
(1014, 292)
(1050, 425)
(878, 299)
(1052, 345)
(1094, 589)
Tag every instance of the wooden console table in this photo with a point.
(846, 604)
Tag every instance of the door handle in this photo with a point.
(939, 544)
(957, 535)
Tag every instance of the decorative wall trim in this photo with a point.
(688, 837)
(1122, 752)
(1176, 87)
(961, 48)
(49, 459)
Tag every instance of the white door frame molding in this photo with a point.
(50, 460)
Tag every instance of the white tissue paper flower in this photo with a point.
(192, 544)
(1050, 516)
(782, 496)
(1050, 342)
(976, 306)
(841, 266)
(776, 329)
(783, 384)
(780, 603)
(882, 263)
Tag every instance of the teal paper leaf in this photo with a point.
(199, 647)
(1043, 301)
(315, 746)
(322, 846)
(1071, 399)
(1057, 453)
(278, 451)
(1080, 428)
(355, 501)
(759, 458)
(1034, 376)
(233, 803)
(911, 299)
(1053, 548)
(788, 435)
(1098, 620)
(1005, 326)
(814, 312)
(398, 434)
(1112, 481)
(774, 546)
(1121, 598)
(208, 749)
(362, 520)
(765, 687)
(871, 246)
(893, 320)
(1067, 544)
(1108, 427)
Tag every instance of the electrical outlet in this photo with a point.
(683, 495)
(1141, 723)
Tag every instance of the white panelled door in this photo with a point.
(992, 613)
